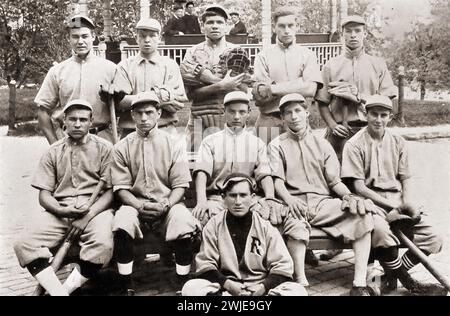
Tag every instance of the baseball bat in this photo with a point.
(423, 259)
(112, 111)
(67, 243)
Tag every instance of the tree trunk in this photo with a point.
(422, 90)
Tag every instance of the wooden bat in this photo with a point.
(112, 111)
(67, 243)
(423, 259)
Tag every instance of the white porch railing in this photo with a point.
(324, 51)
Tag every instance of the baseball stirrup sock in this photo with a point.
(409, 260)
(49, 281)
(184, 253)
(125, 268)
(74, 281)
(37, 266)
(89, 269)
(123, 247)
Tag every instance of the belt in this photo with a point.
(98, 129)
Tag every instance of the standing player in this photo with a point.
(149, 71)
(203, 78)
(377, 162)
(150, 174)
(307, 173)
(283, 68)
(347, 81)
(241, 253)
(74, 78)
(67, 176)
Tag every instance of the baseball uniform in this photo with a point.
(74, 78)
(261, 256)
(368, 73)
(309, 167)
(137, 74)
(382, 166)
(150, 167)
(71, 171)
(283, 66)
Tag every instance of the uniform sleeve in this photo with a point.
(105, 168)
(173, 82)
(332, 166)
(352, 163)
(122, 81)
(322, 94)
(311, 71)
(277, 160)
(121, 177)
(188, 66)
(387, 86)
(45, 175)
(404, 170)
(48, 95)
(278, 261)
(261, 69)
(179, 174)
(262, 168)
(208, 257)
(205, 158)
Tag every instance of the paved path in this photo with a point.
(18, 205)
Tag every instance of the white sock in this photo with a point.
(125, 268)
(183, 270)
(360, 283)
(74, 281)
(48, 280)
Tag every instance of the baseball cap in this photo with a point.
(236, 96)
(379, 100)
(238, 177)
(148, 24)
(217, 9)
(291, 97)
(77, 102)
(353, 19)
(78, 21)
(144, 98)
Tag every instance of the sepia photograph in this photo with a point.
(224, 148)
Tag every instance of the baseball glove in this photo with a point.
(344, 90)
(262, 92)
(404, 218)
(234, 59)
(271, 209)
(357, 205)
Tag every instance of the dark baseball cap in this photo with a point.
(238, 177)
(217, 9)
(357, 19)
(78, 21)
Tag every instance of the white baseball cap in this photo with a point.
(235, 96)
(145, 98)
(148, 24)
(77, 102)
(291, 97)
(379, 100)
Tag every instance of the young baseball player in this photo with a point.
(74, 79)
(347, 81)
(307, 173)
(149, 71)
(241, 253)
(283, 68)
(377, 162)
(203, 79)
(66, 177)
(150, 174)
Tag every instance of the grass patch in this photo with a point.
(416, 113)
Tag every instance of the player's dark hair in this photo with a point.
(177, 7)
(234, 13)
(284, 11)
(189, 3)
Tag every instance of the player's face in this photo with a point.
(286, 28)
(179, 13)
(78, 122)
(146, 117)
(354, 35)
(377, 119)
(238, 199)
(214, 27)
(235, 19)
(295, 117)
(148, 41)
(81, 40)
(236, 114)
(190, 9)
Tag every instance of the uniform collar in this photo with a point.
(83, 141)
(299, 136)
(79, 60)
(154, 59)
(284, 47)
(221, 43)
(356, 53)
(150, 134)
(229, 131)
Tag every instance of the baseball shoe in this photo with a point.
(418, 288)
(311, 258)
(359, 291)
(330, 254)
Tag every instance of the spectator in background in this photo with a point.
(175, 25)
(191, 25)
(239, 26)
